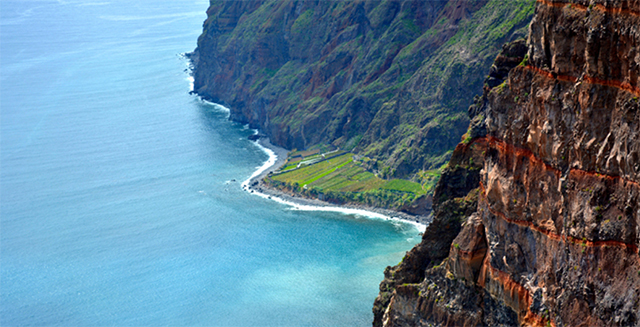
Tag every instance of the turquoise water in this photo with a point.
(116, 194)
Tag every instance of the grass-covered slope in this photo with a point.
(390, 80)
(339, 176)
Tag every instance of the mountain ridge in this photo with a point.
(384, 79)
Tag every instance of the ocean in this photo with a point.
(120, 193)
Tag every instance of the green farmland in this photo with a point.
(337, 177)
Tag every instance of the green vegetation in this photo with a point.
(336, 176)
(429, 178)
(394, 90)
(303, 23)
(466, 138)
(402, 185)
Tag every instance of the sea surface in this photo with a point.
(120, 196)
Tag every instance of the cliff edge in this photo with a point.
(537, 217)
(390, 80)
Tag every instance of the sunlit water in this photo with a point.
(118, 205)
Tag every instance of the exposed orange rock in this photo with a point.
(575, 175)
(588, 79)
(623, 8)
(558, 210)
(468, 250)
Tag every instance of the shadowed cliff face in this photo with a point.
(388, 79)
(554, 237)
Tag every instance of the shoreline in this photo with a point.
(277, 158)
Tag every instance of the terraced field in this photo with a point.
(337, 176)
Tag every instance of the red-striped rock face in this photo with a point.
(561, 175)
(559, 193)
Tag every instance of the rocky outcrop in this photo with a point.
(387, 79)
(437, 296)
(554, 237)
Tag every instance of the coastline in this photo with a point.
(277, 158)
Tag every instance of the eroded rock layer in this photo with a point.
(555, 235)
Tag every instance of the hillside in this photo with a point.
(536, 218)
(389, 80)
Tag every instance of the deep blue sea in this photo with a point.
(117, 205)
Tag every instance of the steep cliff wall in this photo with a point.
(554, 237)
(387, 79)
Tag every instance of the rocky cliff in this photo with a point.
(551, 167)
(387, 79)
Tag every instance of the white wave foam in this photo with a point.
(215, 106)
(191, 81)
(294, 206)
(270, 162)
(188, 70)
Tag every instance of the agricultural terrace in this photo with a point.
(335, 176)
